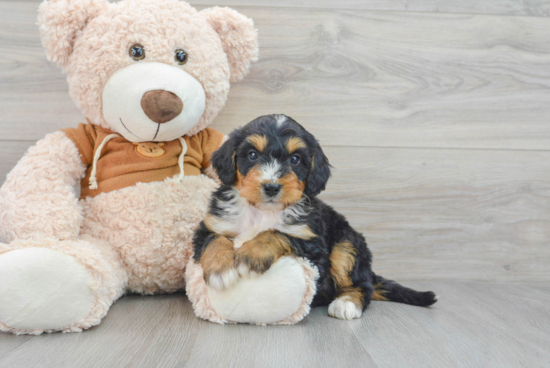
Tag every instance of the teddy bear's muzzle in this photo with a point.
(161, 106)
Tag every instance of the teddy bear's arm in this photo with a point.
(39, 193)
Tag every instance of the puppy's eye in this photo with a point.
(295, 159)
(137, 52)
(180, 56)
(252, 155)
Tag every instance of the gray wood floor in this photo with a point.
(436, 117)
(474, 324)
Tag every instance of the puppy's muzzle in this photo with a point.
(161, 106)
(271, 189)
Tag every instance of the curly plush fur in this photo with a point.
(135, 239)
(90, 40)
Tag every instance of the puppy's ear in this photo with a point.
(61, 21)
(223, 160)
(319, 173)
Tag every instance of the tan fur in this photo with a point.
(379, 293)
(264, 250)
(342, 260)
(259, 141)
(355, 295)
(294, 143)
(300, 232)
(250, 186)
(292, 189)
(217, 257)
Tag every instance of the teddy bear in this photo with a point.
(150, 76)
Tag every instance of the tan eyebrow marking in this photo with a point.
(259, 141)
(294, 143)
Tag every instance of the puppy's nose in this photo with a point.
(271, 190)
(161, 106)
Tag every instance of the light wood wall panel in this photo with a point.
(447, 214)
(536, 8)
(363, 78)
(539, 8)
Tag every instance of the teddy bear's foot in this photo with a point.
(49, 285)
(43, 289)
(281, 295)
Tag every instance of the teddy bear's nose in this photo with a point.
(161, 106)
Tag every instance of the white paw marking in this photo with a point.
(344, 308)
(223, 280)
(245, 271)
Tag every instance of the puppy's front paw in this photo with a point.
(251, 257)
(344, 308)
(222, 279)
(218, 264)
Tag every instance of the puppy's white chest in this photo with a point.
(252, 221)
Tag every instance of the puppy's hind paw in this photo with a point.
(224, 279)
(344, 308)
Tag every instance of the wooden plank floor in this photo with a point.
(473, 325)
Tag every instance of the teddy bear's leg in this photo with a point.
(51, 285)
(282, 295)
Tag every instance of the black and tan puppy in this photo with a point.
(272, 169)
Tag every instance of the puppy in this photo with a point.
(272, 169)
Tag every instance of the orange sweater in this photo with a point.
(122, 163)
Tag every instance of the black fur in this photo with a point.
(223, 160)
(329, 226)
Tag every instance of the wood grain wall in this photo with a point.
(435, 114)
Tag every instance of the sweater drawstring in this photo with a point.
(93, 179)
(180, 159)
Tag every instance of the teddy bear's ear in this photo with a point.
(61, 20)
(239, 38)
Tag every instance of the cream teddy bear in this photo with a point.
(150, 76)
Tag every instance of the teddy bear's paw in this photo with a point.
(224, 279)
(344, 308)
(42, 289)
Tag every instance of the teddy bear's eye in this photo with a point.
(137, 52)
(180, 56)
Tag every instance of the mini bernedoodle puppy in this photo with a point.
(272, 169)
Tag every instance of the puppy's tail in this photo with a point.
(389, 290)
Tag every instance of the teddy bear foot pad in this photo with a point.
(43, 289)
(282, 295)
